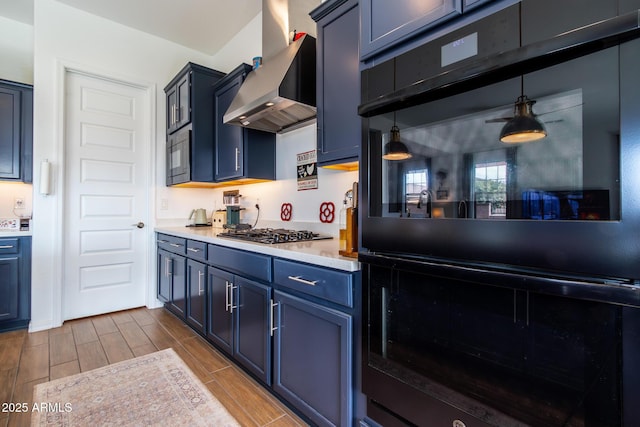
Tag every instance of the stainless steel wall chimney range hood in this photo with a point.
(280, 96)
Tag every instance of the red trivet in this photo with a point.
(285, 211)
(327, 212)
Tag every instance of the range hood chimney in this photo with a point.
(280, 95)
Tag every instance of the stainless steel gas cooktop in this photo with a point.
(272, 235)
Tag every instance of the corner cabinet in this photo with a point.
(15, 286)
(16, 131)
(189, 110)
(386, 24)
(240, 153)
(338, 89)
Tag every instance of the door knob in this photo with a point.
(139, 225)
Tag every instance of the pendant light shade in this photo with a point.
(524, 126)
(395, 149)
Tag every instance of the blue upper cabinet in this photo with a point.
(338, 89)
(386, 23)
(241, 153)
(16, 131)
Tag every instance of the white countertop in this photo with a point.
(320, 252)
(15, 233)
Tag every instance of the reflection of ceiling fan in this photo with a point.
(522, 102)
(524, 126)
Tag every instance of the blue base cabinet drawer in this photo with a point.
(15, 283)
(197, 250)
(177, 245)
(248, 264)
(331, 285)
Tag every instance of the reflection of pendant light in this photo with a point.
(395, 149)
(523, 126)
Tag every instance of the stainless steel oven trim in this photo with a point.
(561, 48)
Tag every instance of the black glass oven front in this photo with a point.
(501, 280)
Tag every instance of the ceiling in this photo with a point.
(203, 25)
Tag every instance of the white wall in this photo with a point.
(16, 51)
(16, 64)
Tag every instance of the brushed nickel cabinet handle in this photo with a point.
(6, 247)
(200, 287)
(303, 281)
(272, 327)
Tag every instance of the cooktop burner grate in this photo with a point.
(273, 235)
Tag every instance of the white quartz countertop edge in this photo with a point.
(323, 253)
(14, 233)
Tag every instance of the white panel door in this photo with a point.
(106, 186)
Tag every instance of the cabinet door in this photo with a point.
(253, 320)
(220, 319)
(228, 138)
(386, 23)
(164, 276)
(183, 96)
(196, 294)
(9, 287)
(178, 273)
(339, 126)
(312, 366)
(172, 104)
(9, 133)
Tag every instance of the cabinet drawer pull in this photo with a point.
(196, 250)
(237, 159)
(163, 241)
(175, 245)
(272, 326)
(304, 281)
(6, 247)
(226, 295)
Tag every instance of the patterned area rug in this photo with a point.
(155, 389)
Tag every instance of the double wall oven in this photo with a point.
(501, 222)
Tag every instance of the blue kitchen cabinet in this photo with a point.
(314, 340)
(16, 131)
(164, 278)
(239, 319)
(239, 152)
(189, 98)
(220, 313)
(385, 24)
(9, 287)
(196, 295)
(15, 286)
(172, 273)
(313, 359)
(338, 86)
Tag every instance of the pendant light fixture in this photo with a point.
(395, 149)
(523, 126)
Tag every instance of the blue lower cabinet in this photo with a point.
(9, 287)
(164, 276)
(15, 283)
(312, 359)
(253, 317)
(239, 320)
(220, 320)
(178, 273)
(196, 295)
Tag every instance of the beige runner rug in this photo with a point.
(155, 389)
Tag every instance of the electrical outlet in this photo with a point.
(18, 203)
(164, 204)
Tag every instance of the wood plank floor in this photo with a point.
(84, 344)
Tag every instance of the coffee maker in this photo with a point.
(231, 201)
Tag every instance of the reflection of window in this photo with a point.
(415, 181)
(490, 188)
